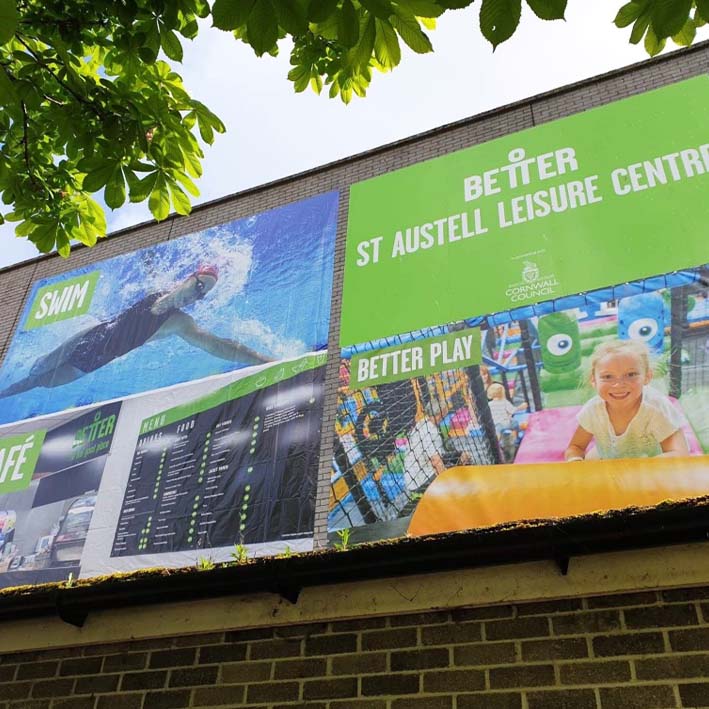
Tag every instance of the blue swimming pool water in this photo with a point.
(273, 295)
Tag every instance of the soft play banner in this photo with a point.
(248, 292)
(599, 198)
(52, 470)
(569, 406)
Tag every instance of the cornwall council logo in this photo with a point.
(530, 272)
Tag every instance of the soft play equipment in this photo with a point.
(470, 497)
(642, 317)
(560, 343)
(550, 430)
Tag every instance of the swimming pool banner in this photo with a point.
(603, 197)
(55, 468)
(254, 290)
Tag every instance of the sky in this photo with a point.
(273, 132)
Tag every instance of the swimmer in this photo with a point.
(154, 317)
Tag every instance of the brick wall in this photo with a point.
(633, 651)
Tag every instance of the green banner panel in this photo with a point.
(609, 195)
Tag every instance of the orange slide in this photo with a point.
(469, 497)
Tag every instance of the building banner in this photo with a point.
(252, 291)
(569, 206)
(50, 474)
(236, 467)
(536, 339)
(212, 346)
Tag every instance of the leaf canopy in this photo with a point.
(89, 105)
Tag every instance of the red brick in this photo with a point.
(628, 644)
(390, 684)
(676, 666)
(330, 688)
(38, 670)
(525, 676)
(246, 672)
(562, 699)
(595, 673)
(516, 628)
(386, 639)
(359, 664)
(167, 700)
(591, 622)
(694, 695)
(330, 644)
(555, 649)
(453, 681)
(484, 654)
(266, 649)
(299, 669)
(419, 659)
(490, 700)
(451, 634)
(211, 696)
(639, 697)
(273, 692)
(661, 616)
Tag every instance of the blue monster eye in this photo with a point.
(643, 329)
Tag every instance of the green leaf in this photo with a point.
(362, 53)
(386, 45)
(62, 241)
(291, 16)
(142, 188)
(230, 14)
(98, 177)
(348, 24)
(548, 9)
(159, 202)
(321, 10)
(115, 193)
(262, 27)
(8, 20)
(44, 237)
(410, 30)
(187, 183)
(180, 201)
(640, 27)
(379, 8)
(499, 20)
(454, 4)
(627, 14)
(653, 44)
(170, 44)
(686, 35)
(422, 8)
(8, 95)
(669, 16)
(703, 9)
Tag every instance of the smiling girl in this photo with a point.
(626, 418)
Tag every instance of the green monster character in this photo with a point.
(560, 341)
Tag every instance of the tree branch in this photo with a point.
(81, 99)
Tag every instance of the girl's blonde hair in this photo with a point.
(634, 347)
(496, 391)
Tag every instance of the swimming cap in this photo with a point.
(207, 270)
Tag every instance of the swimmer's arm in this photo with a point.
(184, 326)
(578, 444)
(674, 445)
